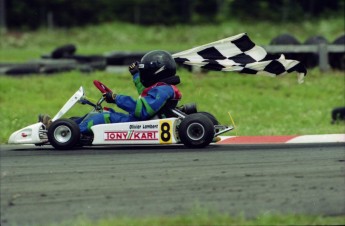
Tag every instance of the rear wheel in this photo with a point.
(211, 117)
(64, 134)
(196, 131)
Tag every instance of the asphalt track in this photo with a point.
(41, 186)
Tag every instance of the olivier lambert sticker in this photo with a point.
(143, 126)
(130, 135)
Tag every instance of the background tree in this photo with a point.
(65, 13)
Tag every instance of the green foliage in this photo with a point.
(62, 13)
(205, 217)
(285, 10)
(107, 37)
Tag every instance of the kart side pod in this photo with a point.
(194, 131)
(158, 131)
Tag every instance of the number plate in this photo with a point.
(165, 132)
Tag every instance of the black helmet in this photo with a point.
(156, 66)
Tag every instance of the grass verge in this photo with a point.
(206, 218)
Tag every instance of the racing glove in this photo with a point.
(109, 97)
(134, 68)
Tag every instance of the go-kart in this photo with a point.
(172, 125)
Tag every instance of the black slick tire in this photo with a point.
(64, 134)
(196, 131)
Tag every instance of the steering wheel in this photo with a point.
(101, 87)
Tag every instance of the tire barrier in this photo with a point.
(338, 114)
(123, 58)
(311, 60)
(287, 39)
(61, 59)
(337, 60)
(315, 51)
(86, 63)
(65, 51)
(41, 66)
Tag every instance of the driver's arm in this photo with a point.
(136, 79)
(134, 70)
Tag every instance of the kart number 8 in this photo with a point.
(165, 132)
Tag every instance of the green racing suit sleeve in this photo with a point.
(140, 87)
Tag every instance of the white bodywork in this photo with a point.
(37, 133)
(159, 131)
(33, 134)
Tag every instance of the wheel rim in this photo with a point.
(62, 134)
(195, 131)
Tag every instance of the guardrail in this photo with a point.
(322, 50)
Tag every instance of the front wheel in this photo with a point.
(64, 134)
(196, 131)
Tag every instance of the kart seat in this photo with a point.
(166, 110)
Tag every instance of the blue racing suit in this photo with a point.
(150, 101)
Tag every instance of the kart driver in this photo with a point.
(155, 79)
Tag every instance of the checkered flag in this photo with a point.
(239, 53)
